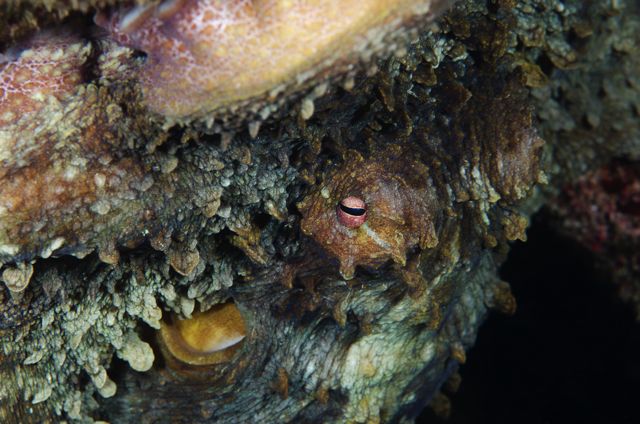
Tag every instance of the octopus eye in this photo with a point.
(352, 212)
(210, 337)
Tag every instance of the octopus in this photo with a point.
(284, 211)
(93, 180)
(397, 203)
(205, 56)
(206, 338)
(58, 170)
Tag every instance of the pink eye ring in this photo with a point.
(351, 212)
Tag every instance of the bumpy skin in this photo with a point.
(22, 18)
(65, 157)
(79, 342)
(400, 199)
(83, 174)
(205, 57)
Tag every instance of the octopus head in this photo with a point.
(370, 211)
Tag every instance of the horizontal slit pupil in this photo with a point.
(352, 211)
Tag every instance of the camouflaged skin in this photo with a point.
(200, 217)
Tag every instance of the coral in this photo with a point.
(206, 56)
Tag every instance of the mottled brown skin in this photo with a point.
(91, 179)
(23, 18)
(326, 321)
(210, 59)
(372, 349)
(64, 190)
(402, 209)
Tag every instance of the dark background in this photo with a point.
(570, 354)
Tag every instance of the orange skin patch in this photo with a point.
(207, 338)
(208, 55)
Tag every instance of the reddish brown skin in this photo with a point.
(68, 166)
(401, 211)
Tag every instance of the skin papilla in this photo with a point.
(117, 224)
